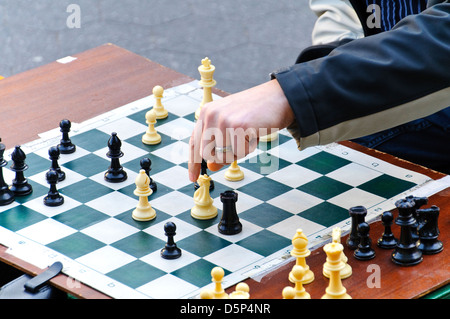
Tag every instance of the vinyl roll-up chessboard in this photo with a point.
(95, 237)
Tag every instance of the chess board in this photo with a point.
(99, 244)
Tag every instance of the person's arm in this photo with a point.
(374, 83)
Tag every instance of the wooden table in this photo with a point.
(107, 77)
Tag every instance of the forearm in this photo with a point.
(373, 83)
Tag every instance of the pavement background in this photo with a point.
(245, 39)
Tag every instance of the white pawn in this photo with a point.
(234, 173)
(144, 211)
(204, 208)
(347, 270)
(217, 276)
(161, 112)
(298, 272)
(151, 136)
(242, 291)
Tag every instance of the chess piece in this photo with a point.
(204, 171)
(242, 291)
(288, 292)
(115, 172)
(347, 270)
(66, 146)
(144, 211)
(53, 154)
(217, 276)
(269, 137)
(387, 240)
(418, 202)
(170, 251)
(429, 231)
(20, 185)
(160, 112)
(204, 208)
(146, 165)
(206, 294)
(6, 195)
(358, 215)
(234, 173)
(229, 223)
(300, 252)
(364, 250)
(298, 272)
(53, 197)
(151, 136)
(207, 82)
(406, 252)
(334, 265)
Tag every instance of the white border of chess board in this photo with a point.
(42, 257)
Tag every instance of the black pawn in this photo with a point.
(387, 240)
(364, 250)
(115, 172)
(406, 252)
(170, 251)
(229, 223)
(66, 146)
(6, 195)
(204, 171)
(146, 165)
(53, 154)
(53, 197)
(358, 215)
(20, 185)
(429, 231)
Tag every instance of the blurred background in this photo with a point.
(245, 39)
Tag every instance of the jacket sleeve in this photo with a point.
(373, 83)
(336, 20)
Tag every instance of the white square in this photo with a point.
(248, 229)
(183, 229)
(178, 129)
(294, 176)
(124, 127)
(46, 231)
(354, 197)
(288, 227)
(113, 203)
(243, 203)
(100, 178)
(105, 259)
(181, 105)
(130, 152)
(289, 151)
(175, 177)
(228, 257)
(167, 265)
(249, 177)
(295, 201)
(167, 287)
(109, 230)
(72, 177)
(173, 203)
(176, 153)
(354, 174)
(38, 205)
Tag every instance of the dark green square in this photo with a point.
(38, 191)
(386, 186)
(325, 214)
(265, 146)
(203, 224)
(264, 189)
(197, 273)
(158, 164)
(324, 187)
(139, 244)
(136, 274)
(36, 164)
(265, 243)
(88, 165)
(265, 215)
(127, 217)
(323, 162)
(92, 140)
(81, 217)
(20, 217)
(203, 243)
(85, 190)
(265, 163)
(137, 141)
(76, 245)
